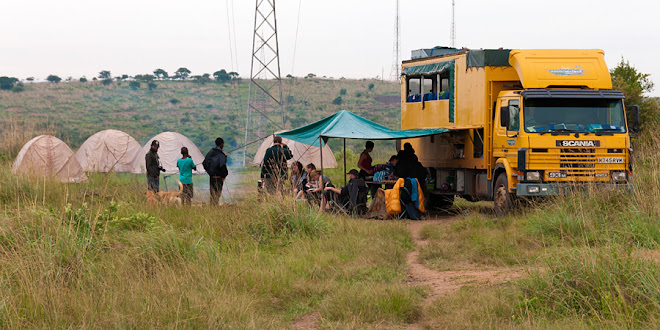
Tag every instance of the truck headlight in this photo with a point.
(619, 176)
(533, 176)
(533, 189)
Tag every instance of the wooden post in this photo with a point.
(321, 144)
(344, 161)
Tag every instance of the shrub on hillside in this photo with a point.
(106, 82)
(175, 101)
(18, 88)
(337, 101)
(342, 91)
(7, 83)
(152, 85)
(134, 85)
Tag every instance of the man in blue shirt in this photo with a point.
(186, 165)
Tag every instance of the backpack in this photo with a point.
(211, 165)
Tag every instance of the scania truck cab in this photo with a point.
(521, 123)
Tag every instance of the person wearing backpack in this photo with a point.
(215, 164)
(274, 166)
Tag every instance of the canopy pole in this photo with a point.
(321, 144)
(344, 161)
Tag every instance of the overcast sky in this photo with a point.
(337, 38)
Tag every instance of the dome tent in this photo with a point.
(111, 151)
(303, 153)
(48, 156)
(170, 151)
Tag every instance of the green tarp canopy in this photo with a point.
(429, 68)
(347, 125)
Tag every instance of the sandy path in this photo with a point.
(444, 283)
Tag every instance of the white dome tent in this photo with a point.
(303, 153)
(170, 151)
(111, 151)
(48, 156)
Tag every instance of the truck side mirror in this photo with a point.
(633, 114)
(504, 116)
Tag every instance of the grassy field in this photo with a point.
(94, 255)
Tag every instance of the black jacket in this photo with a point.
(215, 163)
(153, 163)
(409, 166)
(274, 164)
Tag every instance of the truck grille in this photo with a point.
(577, 162)
(572, 164)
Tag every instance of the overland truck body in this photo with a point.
(522, 122)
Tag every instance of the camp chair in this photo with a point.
(408, 208)
(356, 203)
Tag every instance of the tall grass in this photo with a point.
(592, 258)
(94, 255)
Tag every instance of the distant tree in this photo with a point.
(69, 79)
(104, 74)
(30, 79)
(234, 75)
(152, 85)
(94, 79)
(145, 77)
(134, 85)
(18, 88)
(175, 101)
(635, 85)
(182, 74)
(342, 91)
(221, 76)
(124, 77)
(337, 101)
(7, 83)
(310, 76)
(83, 79)
(289, 76)
(161, 74)
(53, 78)
(106, 81)
(371, 86)
(203, 79)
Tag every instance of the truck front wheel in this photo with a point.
(504, 201)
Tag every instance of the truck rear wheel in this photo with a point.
(504, 201)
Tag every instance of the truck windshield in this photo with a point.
(574, 115)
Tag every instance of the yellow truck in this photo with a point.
(521, 122)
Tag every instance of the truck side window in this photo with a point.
(514, 115)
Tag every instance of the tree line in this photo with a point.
(106, 78)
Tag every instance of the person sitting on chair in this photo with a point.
(353, 195)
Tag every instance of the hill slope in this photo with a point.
(76, 110)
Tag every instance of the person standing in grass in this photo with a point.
(186, 165)
(215, 164)
(274, 167)
(153, 167)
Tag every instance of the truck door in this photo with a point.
(506, 140)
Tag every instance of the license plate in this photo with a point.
(556, 175)
(610, 160)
